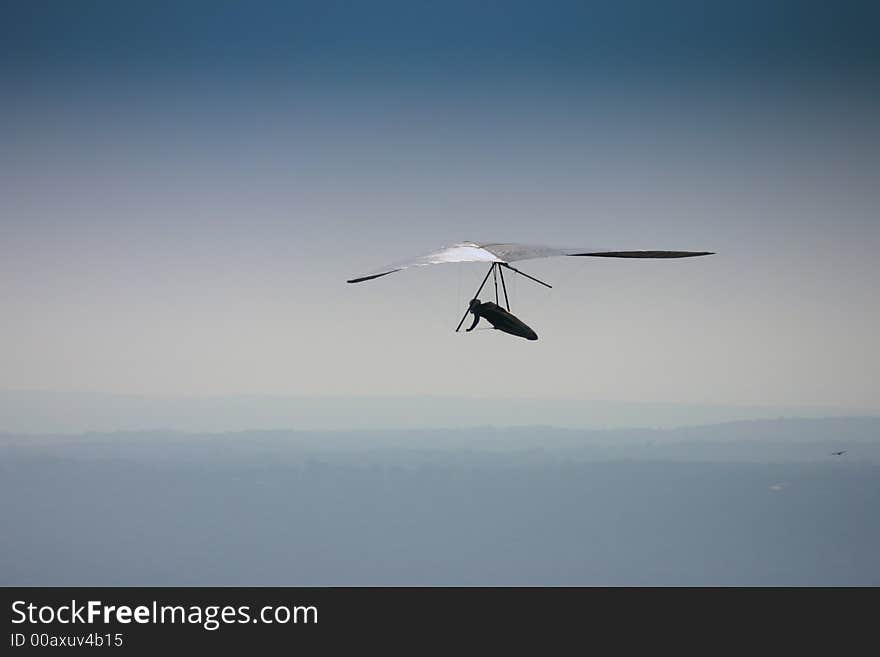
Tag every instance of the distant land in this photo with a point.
(757, 441)
(741, 503)
(66, 412)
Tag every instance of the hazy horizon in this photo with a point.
(66, 412)
(742, 504)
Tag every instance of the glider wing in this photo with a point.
(511, 252)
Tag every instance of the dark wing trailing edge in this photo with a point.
(371, 277)
(643, 254)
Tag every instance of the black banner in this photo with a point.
(115, 619)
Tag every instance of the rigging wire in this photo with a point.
(458, 290)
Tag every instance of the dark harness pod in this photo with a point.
(501, 319)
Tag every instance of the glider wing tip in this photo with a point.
(370, 277)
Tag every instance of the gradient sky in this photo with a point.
(185, 188)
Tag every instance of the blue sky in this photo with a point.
(433, 41)
(187, 186)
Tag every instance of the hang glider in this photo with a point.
(500, 255)
(505, 253)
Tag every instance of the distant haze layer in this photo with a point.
(47, 412)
